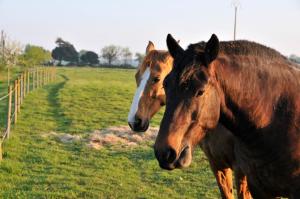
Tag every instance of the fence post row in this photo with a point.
(16, 102)
(21, 87)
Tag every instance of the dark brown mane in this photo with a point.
(240, 47)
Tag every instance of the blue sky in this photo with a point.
(92, 24)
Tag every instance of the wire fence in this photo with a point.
(26, 82)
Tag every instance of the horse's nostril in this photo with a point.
(171, 155)
(184, 152)
(138, 121)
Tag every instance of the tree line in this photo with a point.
(13, 53)
(65, 54)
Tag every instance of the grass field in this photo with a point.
(80, 101)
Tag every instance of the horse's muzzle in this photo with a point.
(138, 125)
(168, 158)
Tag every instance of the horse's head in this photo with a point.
(150, 95)
(192, 102)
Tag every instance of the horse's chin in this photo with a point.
(169, 159)
(183, 161)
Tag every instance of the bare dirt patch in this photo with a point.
(120, 135)
(116, 135)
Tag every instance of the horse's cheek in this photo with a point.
(210, 110)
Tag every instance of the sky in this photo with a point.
(93, 24)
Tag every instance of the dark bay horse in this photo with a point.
(254, 92)
(218, 145)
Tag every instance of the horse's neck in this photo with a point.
(251, 105)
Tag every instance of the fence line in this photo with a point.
(34, 78)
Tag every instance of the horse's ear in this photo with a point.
(150, 47)
(211, 49)
(173, 46)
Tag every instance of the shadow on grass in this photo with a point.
(63, 123)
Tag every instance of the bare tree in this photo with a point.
(126, 55)
(111, 53)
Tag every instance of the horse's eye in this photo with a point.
(155, 80)
(199, 93)
(185, 86)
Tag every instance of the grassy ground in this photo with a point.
(82, 100)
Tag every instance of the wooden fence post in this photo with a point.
(21, 89)
(41, 77)
(53, 74)
(16, 102)
(44, 76)
(24, 84)
(37, 78)
(33, 79)
(28, 81)
(48, 75)
(9, 110)
(19, 95)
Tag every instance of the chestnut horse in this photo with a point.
(218, 145)
(254, 92)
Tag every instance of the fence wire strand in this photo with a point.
(3, 136)
(5, 96)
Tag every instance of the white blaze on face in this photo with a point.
(137, 96)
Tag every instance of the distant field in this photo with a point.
(83, 100)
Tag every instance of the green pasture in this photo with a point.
(80, 101)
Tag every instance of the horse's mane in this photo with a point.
(159, 55)
(240, 47)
